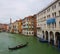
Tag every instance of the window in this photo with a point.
(55, 25)
(32, 32)
(45, 18)
(59, 24)
(59, 13)
(48, 9)
(48, 16)
(54, 14)
(41, 13)
(59, 3)
(52, 25)
(29, 33)
(54, 7)
(44, 12)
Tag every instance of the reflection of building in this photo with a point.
(48, 23)
(29, 25)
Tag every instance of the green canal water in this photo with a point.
(34, 46)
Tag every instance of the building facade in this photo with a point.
(20, 26)
(11, 28)
(16, 26)
(48, 23)
(35, 25)
(29, 26)
(3, 27)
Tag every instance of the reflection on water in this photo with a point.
(34, 46)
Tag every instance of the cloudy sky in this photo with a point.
(17, 9)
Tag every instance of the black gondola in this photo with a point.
(18, 47)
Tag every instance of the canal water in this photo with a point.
(34, 46)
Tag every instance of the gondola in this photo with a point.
(18, 47)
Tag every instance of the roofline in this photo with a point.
(48, 6)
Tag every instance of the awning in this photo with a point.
(51, 20)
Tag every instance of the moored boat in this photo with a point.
(42, 40)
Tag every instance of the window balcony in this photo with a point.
(28, 27)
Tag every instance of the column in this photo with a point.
(54, 39)
(45, 35)
(48, 37)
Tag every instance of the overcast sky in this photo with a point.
(17, 9)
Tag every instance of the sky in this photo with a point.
(18, 9)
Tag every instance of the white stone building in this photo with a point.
(48, 23)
